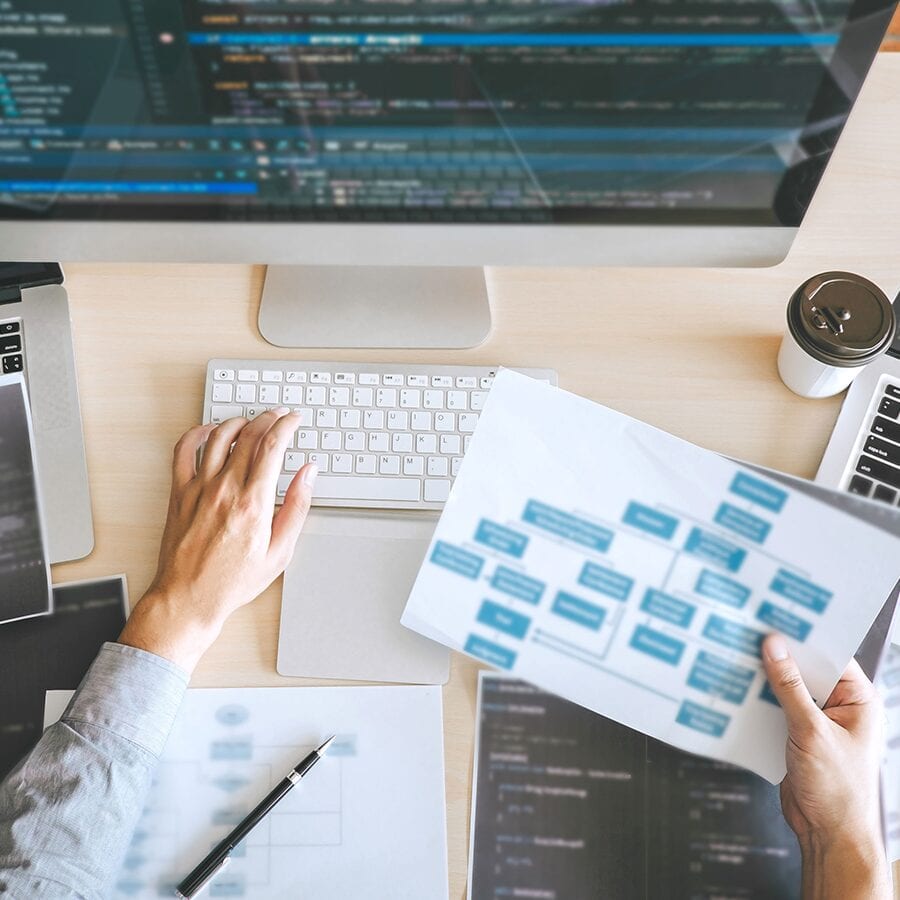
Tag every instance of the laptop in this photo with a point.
(863, 453)
(36, 340)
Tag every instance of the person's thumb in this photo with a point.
(788, 686)
(291, 517)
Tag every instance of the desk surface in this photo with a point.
(690, 351)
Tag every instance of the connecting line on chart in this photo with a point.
(736, 538)
(585, 657)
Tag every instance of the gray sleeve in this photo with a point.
(68, 809)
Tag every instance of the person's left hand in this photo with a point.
(221, 546)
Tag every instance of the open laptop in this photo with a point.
(36, 340)
(863, 454)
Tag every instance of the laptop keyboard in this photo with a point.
(877, 471)
(12, 352)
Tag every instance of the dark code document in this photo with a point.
(52, 653)
(24, 570)
(570, 805)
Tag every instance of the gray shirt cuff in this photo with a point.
(131, 693)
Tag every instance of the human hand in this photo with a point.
(830, 795)
(221, 546)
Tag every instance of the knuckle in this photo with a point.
(790, 680)
(271, 442)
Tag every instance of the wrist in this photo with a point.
(165, 625)
(847, 863)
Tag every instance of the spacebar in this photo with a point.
(357, 487)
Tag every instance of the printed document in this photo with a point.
(368, 821)
(637, 574)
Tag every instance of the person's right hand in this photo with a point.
(830, 795)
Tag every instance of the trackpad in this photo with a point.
(343, 595)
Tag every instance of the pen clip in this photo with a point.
(212, 874)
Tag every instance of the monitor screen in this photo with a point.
(595, 111)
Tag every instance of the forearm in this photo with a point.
(68, 810)
(846, 869)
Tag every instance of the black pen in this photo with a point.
(221, 853)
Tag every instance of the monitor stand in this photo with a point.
(374, 306)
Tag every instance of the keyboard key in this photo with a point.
(305, 419)
(477, 399)
(410, 399)
(485, 383)
(455, 463)
(9, 327)
(379, 441)
(385, 397)
(294, 461)
(426, 443)
(12, 364)
(467, 381)
(401, 442)
(363, 396)
(284, 482)
(292, 395)
(344, 378)
(223, 393)
(420, 421)
(307, 440)
(397, 421)
(860, 485)
(326, 418)
(437, 466)
(254, 411)
(219, 414)
(445, 422)
(467, 422)
(332, 440)
(365, 464)
(273, 376)
(368, 378)
(389, 465)
(373, 418)
(880, 471)
(433, 399)
(417, 380)
(889, 407)
(437, 491)
(246, 393)
(450, 444)
(342, 463)
(224, 374)
(315, 396)
(876, 446)
(320, 460)
(295, 377)
(269, 393)
(892, 390)
(457, 400)
(885, 494)
(320, 377)
(333, 487)
(354, 440)
(413, 465)
(392, 380)
(886, 428)
(441, 381)
(350, 418)
(248, 375)
(339, 396)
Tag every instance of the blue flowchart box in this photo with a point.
(577, 610)
(784, 621)
(606, 581)
(501, 538)
(567, 526)
(720, 677)
(725, 590)
(758, 491)
(768, 694)
(801, 591)
(650, 520)
(508, 581)
(456, 560)
(664, 606)
(503, 619)
(701, 719)
(656, 644)
(743, 523)
(490, 652)
(730, 634)
(713, 549)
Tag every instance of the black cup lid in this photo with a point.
(841, 319)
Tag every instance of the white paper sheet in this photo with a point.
(889, 687)
(368, 821)
(636, 574)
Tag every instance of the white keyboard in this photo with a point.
(382, 436)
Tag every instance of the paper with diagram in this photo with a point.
(636, 574)
(369, 821)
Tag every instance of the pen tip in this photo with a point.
(321, 750)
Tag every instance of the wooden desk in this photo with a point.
(690, 351)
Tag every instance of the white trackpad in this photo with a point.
(343, 595)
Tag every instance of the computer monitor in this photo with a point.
(354, 144)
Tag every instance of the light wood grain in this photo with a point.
(691, 351)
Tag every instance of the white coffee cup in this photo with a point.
(837, 322)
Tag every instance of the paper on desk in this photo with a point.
(636, 574)
(370, 815)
